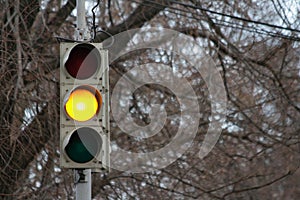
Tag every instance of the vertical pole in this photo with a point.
(83, 177)
(82, 32)
(83, 184)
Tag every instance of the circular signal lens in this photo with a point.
(83, 61)
(84, 145)
(83, 103)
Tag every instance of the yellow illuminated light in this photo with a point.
(82, 105)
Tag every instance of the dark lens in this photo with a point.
(83, 61)
(84, 145)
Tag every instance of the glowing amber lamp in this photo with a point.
(82, 104)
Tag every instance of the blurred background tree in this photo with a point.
(255, 45)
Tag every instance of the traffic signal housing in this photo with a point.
(84, 106)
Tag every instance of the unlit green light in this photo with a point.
(84, 145)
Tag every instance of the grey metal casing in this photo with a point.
(100, 123)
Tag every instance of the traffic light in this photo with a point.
(84, 106)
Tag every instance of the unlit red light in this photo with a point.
(83, 61)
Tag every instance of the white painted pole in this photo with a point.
(83, 178)
(83, 184)
(82, 32)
